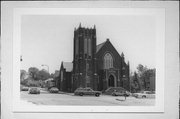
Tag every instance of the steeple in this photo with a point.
(61, 65)
(80, 25)
(122, 54)
(94, 26)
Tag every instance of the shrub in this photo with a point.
(54, 90)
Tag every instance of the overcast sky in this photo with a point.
(48, 39)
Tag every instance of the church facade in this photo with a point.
(96, 66)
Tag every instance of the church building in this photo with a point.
(96, 66)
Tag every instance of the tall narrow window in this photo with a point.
(89, 47)
(108, 61)
(85, 46)
(77, 46)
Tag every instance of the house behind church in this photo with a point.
(96, 66)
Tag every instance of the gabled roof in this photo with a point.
(68, 66)
(98, 47)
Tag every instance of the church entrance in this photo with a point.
(111, 81)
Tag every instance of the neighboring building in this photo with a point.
(65, 77)
(98, 67)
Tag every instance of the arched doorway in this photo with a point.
(111, 81)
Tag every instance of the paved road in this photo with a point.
(71, 99)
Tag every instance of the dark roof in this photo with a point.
(98, 47)
(68, 66)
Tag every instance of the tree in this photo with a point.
(144, 75)
(52, 75)
(135, 85)
(22, 74)
(43, 75)
(33, 71)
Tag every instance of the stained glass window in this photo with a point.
(108, 61)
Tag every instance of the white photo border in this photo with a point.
(158, 13)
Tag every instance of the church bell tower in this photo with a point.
(84, 59)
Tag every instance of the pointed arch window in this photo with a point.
(77, 46)
(108, 61)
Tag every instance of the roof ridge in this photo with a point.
(99, 46)
(101, 43)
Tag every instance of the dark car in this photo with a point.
(54, 90)
(121, 93)
(24, 88)
(111, 90)
(86, 91)
(34, 90)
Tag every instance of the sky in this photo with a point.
(48, 39)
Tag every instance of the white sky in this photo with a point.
(48, 39)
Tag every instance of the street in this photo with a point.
(71, 99)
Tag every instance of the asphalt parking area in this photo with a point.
(71, 99)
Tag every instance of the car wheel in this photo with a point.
(143, 96)
(97, 94)
(81, 94)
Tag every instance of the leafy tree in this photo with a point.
(135, 85)
(144, 75)
(22, 74)
(52, 75)
(43, 75)
(33, 71)
(55, 74)
(36, 77)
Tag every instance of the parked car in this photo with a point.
(112, 90)
(24, 88)
(86, 91)
(144, 94)
(34, 90)
(54, 90)
(121, 93)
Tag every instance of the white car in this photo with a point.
(144, 94)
